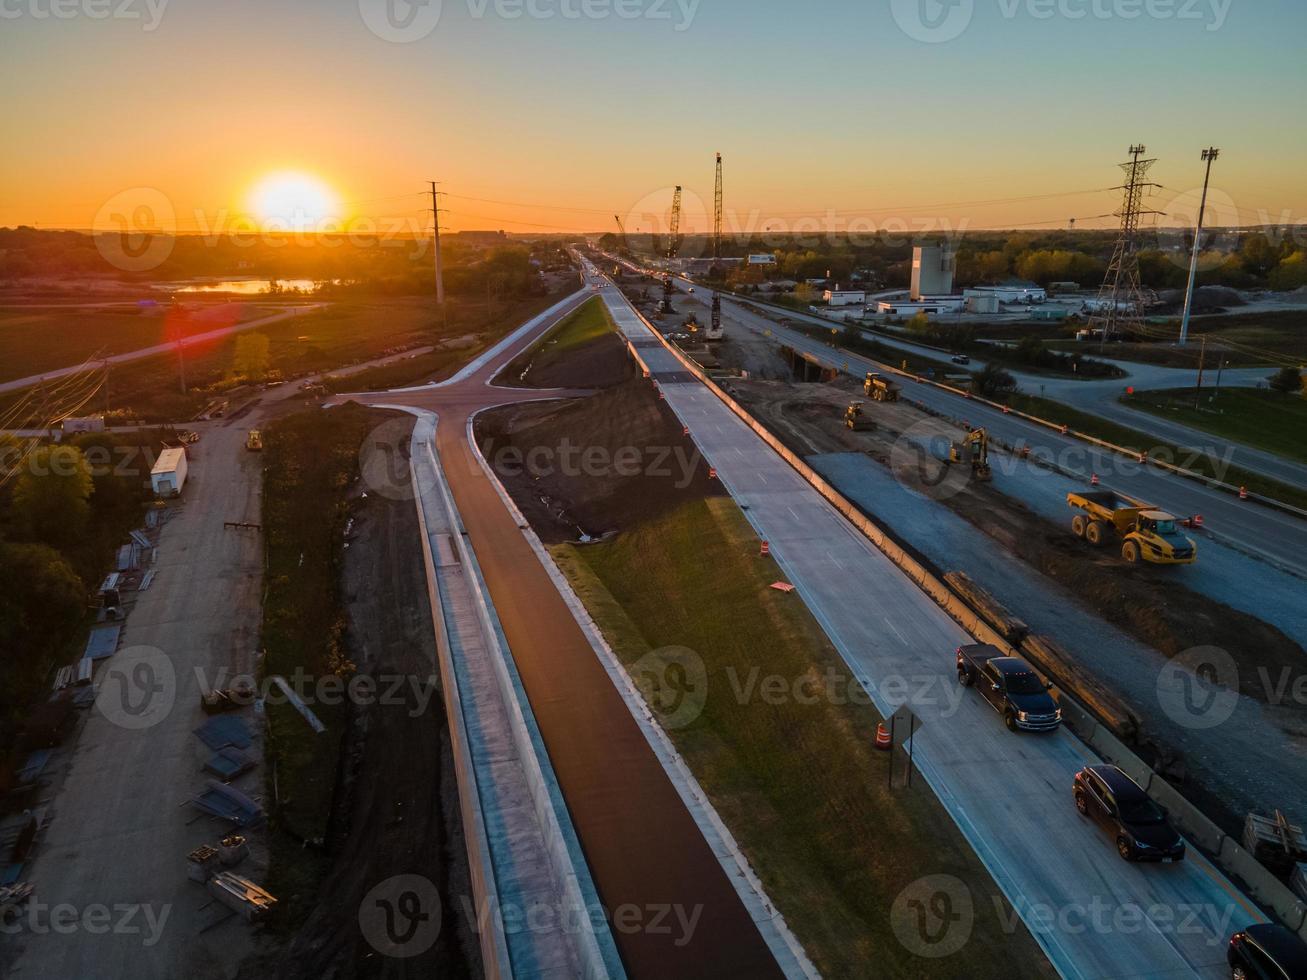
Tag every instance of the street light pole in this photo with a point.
(1209, 157)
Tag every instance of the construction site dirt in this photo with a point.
(397, 811)
(583, 471)
(1144, 611)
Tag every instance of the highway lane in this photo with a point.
(1095, 915)
(1101, 398)
(1259, 530)
(157, 349)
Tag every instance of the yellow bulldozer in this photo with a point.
(856, 420)
(974, 449)
(1147, 534)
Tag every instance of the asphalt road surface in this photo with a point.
(1095, 915)
(1259, 530)
(1101, 398)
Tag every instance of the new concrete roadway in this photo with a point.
(1095, 915)
(643, 847)
(1258, 530)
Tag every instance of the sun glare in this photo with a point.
(294, 202)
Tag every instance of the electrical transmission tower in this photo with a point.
(1121, 299)
(674, 232)
(717, 213)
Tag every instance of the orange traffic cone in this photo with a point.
(712, 473)
(1093, 480)
(1243, 493)
(882, 737)
(766, 550)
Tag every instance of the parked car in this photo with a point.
(1139, 826)
(1011, 686)
(1267, 952)
(961, 359)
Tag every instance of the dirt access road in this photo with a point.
(643, 847)
(120, 831)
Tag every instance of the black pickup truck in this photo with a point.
(1011, 686)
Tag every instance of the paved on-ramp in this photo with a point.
(645, 852)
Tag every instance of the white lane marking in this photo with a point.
(761, 477)
(902, 638)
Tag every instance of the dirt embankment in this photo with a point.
(396, 807)
(597, 468)
(601, 362)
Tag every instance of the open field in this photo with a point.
(43, 338)
(1239, 339)
(1257, 417)
(795, 778)
(338, 336)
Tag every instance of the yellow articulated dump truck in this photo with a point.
(254, 441)
(1147, 534)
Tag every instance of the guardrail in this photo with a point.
(1226, 853)
(493, 940)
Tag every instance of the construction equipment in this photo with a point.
(717, 212)
(880, 389)
(254, 441)
(974, 448)
(623, 247)
(674, 232)
(1147, 534)
(856, 420)
(715, 331)
(665, 305)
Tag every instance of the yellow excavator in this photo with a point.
(254, 441)
(975, 448)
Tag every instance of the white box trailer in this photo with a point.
(169, 473)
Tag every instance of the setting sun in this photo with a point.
(293, 201)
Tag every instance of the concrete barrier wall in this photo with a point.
(1189, 819)
(494, 945)
(595, 948)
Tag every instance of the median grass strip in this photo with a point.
(784, 746)
(311, 462)
(1136, 441)
(1265, 419)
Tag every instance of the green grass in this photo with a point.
(582, 326)
(1266, 419)
(311, 462)
(799, 784)
(1133, 439)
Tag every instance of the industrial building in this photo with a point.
(1012, 291)
(932, 271)
(929, 305)
(763, 258)
(844, 297)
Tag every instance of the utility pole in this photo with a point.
(1202, 362)
(181, 362)
(440, 271)
(1209, 157)
(1121, 297)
